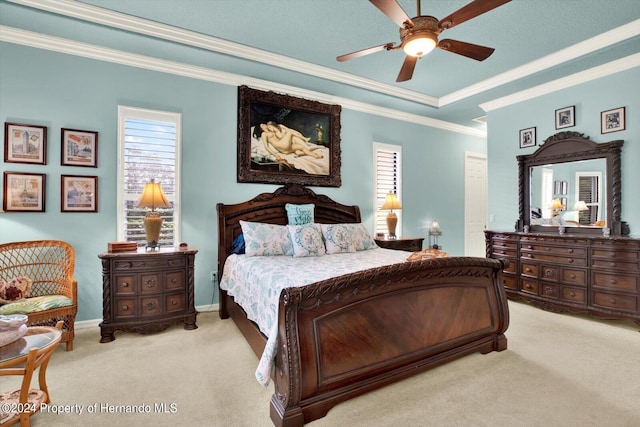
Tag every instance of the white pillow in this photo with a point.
(362, 240)
(261, 239)
(306, 240)
(299, 214)
(338, 238)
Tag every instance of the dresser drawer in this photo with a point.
(549, 290)
(503, 253)
(529, 269)
(509, 281)
(560, 259)
(574, 276)
(615, 281)
(556, 250)
(617, 265)
(530, 286)
(616, 301)
(551, 273)
(613, 254)
(578, 295)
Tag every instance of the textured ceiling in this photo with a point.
(316, 31)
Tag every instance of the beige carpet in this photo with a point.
(559, 370)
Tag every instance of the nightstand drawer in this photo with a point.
(125, 285)
(125, 308)
(174, 302)
(150, 306)
(150, 283)
(174, 280)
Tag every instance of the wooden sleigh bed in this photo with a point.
(342, 337)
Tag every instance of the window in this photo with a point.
(387, 177)
(546, 193)
(148, 148)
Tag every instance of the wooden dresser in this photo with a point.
(147, 292)
(576, 273)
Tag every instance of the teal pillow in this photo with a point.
(299, 214)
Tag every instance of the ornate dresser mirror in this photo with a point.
(571, 182)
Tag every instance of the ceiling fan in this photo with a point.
(419, 35)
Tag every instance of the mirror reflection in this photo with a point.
(571, 193)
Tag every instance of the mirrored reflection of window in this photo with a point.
(589, 190)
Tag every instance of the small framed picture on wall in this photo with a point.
(25, 143)
(527, 137)
(24, 192)
(79, 148)
(566, 117)
(613, 120)
(79, 193)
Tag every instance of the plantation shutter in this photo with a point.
(387, 179)
(588, 191)
(149, 150)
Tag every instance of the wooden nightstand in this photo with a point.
(147, 292)
(410, 244)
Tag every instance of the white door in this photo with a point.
(475, 204)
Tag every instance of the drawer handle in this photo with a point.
(151, 305)
(150, 283)
(125, 285)
(174, 302)
(570, 251)
(570, 260)
(612, 264)
(528, 270)
(572, 294)
(174, 280)
(125, 308)
(573, 276)
(548, 290)
(612, 300)
(613, 281)
(548, 273)
(528, 286)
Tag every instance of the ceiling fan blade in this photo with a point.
(473, 9)
(393, 10)
(406, 72)
(473, 51)
(364, 52)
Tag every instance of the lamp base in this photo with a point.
(152, 226)
(392, 222)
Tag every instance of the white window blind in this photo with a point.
(589, 191)
(148, 148)
(387, 178)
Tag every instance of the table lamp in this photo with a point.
(391, 203)
(434, 232)
(153, 197)
(556, 205)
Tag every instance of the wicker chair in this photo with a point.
(50, 265)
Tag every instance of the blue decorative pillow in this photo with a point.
(306, 240)
(338, 238)
(263, 239)
(361, 238)
(299, 214)
(237, 247)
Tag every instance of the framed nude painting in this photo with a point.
(287, 140)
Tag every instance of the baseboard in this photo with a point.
(93, 323)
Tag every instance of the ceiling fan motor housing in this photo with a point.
(421, 37)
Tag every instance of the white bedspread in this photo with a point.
(256, 282)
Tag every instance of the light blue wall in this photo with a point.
(590, 99)
(65, 91)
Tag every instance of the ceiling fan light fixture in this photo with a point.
(419, 44)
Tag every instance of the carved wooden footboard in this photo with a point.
(346, 336)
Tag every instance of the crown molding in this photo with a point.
(585, 47)
(85, 12)
(98, 15)
(86, 50)
(594, 73)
